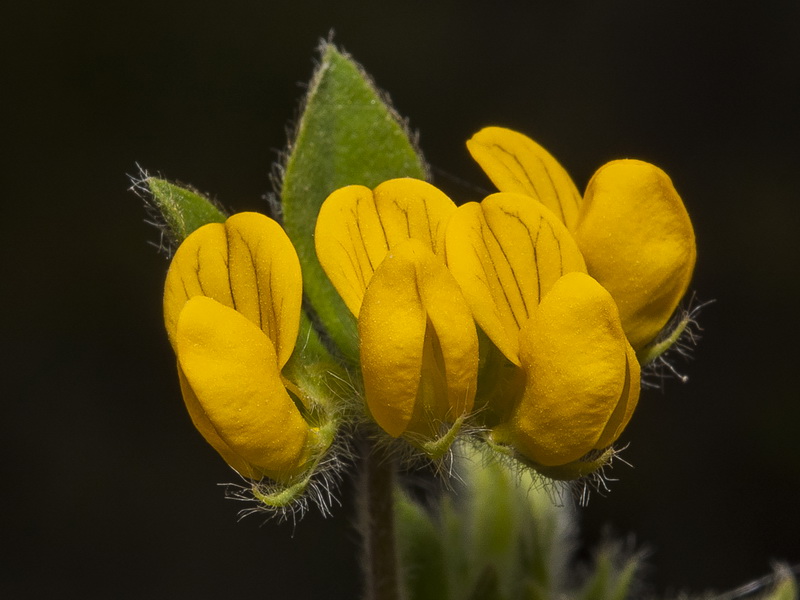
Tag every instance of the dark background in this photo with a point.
(107, 489)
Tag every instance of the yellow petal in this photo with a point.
(265, 278)
(413, 209)
(231, 367)
(575, 357)
(247, 263)
(199, 268)
(349, 242)
(454, 340)
(391, 331)
(356, 227)
(206, 429)
(506, 253)
(419, 347)
(638, 242)
(515, 163)
(627, 402)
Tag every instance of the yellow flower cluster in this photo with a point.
(521, 315)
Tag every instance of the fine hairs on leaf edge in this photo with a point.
(687, 331)
(168, 241)
(597, 481)
(409, 453)
(623, 559)
(577, 490)
(318, 488)
(321, 481)
(278, 170)
(409, 458)
(557, 490)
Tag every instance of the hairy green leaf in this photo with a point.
(347, 134)
(183, 210)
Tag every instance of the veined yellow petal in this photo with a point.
(413, 209)
(248, 264)
(574, 353)
(232, 368)
(265, 278)
(419, 347)
(356, 227)
(199, 268)
(638, 242)
(349, 241)
(515, 163)
(506, 253)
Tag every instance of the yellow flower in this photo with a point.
(566, 289)
(232, 312)
(582, 377)
(526, 283)
(631, 226)
(383, 252)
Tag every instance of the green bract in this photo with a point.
(347, 135)
(183, 210)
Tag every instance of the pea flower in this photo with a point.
(232, 304)
(383, 251)
(525, 280)
(630, 226)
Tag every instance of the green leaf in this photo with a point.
(517, 527)
(494, 512)
(613, 575)
(420, 548)
(183, 210)
(347, 134)
(460, 572)
(500, 536)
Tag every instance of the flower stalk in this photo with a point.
(377, 522)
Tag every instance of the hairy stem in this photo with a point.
(376, 509)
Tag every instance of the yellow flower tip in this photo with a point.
(515, 163)
(578, 367)
(506, 253)
(232, 388)
(419, 346)
(247, 263)
(638, 242)
(357, 226)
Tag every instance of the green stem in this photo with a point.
(376, 508)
